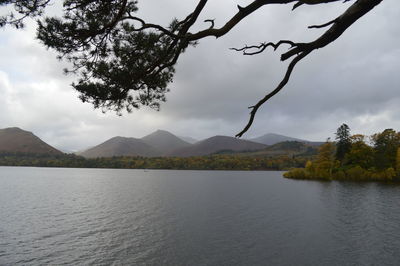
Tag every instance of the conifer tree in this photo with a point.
(343, 143)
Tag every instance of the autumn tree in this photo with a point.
(360, 153)
(124, 62)
(386, 144)
(343, 143)
(325, 161)
(398, 162)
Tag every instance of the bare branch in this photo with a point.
(145, 25)
(211, 21)
(297, 5)
(340, 25)
(260, 48)
(323, 25)
(241, 14)
(271, 94)
(193, 17)
(301, 50)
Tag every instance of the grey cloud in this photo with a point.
(353, 80)
(343, 79)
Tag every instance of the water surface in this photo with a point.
(156, 217)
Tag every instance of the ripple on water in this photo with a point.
(120, 217)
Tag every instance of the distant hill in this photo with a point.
(271, 139)
(295, 146)
(158, 143)
(189, 139)
(218, 144)
(14, 139)
(286, 148)
(121, 146)
(164, 141)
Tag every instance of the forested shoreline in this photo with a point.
(211, 162)
(350, 157)
(355, 157)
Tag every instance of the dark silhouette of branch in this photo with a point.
(322, 25)
(301, 50)
(281, 85)
(211, 21)
(260, 48)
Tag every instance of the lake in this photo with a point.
(156, 217)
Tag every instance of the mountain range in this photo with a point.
(164, 143)
(157, 144)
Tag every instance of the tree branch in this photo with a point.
(212, 21)
(340, 25)
(241, 14)
(322, 25)
(271, 94)
(260, 48)
(301, 50)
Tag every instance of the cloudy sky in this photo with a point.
(355, 80)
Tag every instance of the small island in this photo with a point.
(355, 158)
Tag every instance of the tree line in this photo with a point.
(211, 162)
(355, 157)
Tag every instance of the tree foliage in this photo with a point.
(360, 153)
(124, 62)
(325, 160)
(398, 161)
(24, 9)
(385, 146)
(343, 143)
(379, 162)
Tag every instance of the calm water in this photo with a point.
(133, 217)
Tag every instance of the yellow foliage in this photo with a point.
(296, 173)
(398, 162)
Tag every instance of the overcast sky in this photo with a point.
(355, 80)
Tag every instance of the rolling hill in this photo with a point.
(16, 140)
(288, 148)
(272, 138)
(121, 146)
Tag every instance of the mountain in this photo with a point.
(218, 144)
(14, 139)
(121, 146)
(158, 143)
(164, 141)
(288, 148)
(271, 139)
(189, 139)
